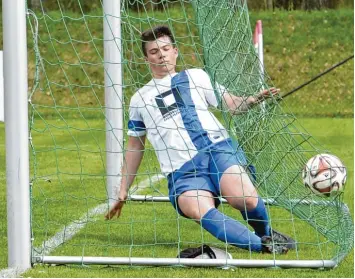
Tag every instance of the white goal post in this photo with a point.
(16, 115)
(17, 133)
(113, 95)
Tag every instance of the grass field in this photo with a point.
(61, 198)
(68, 158)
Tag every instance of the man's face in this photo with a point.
(161, 55)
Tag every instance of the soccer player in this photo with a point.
(199, 159)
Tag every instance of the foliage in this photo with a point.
(301, 4)
(87, 6)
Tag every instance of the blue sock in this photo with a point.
(230, 231)
(258, 219)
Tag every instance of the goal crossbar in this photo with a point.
(185, 262)
(268, 201)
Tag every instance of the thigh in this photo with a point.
(225, 155)
(193, 194)
(229, 175)
(237, 188)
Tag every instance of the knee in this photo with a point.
(245, 203)
(193, 207)
(250, 203)
(194, 214)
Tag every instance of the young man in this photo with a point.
(194, 150)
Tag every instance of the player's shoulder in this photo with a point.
(137, 98)
(199, 76)
(196, 71)
(139, 94)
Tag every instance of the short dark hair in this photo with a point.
(154, 34)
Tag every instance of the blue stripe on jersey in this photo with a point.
(181, 89)
(136, 126)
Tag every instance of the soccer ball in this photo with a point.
(324, 174)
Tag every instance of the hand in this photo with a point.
(115, 210)
(267, 93)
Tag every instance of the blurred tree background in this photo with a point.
(299, 4)
(86, 6)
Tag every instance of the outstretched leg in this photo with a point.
(237, 188)
(199, 205)
(239, 191)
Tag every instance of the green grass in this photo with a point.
(69, 142)
(61, 196)
(3, 224)
(298, 46)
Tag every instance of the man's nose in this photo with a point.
(162, 54)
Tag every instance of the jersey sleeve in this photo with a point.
(136, 126)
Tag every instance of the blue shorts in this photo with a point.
(205, 170)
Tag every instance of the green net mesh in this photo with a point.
(68, 162)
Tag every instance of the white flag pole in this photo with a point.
(2, 118)
(258, 44)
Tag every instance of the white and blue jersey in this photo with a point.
(173, 113)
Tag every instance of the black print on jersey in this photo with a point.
(167, 105)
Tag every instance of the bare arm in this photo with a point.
(237, 104)
(133, 158)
